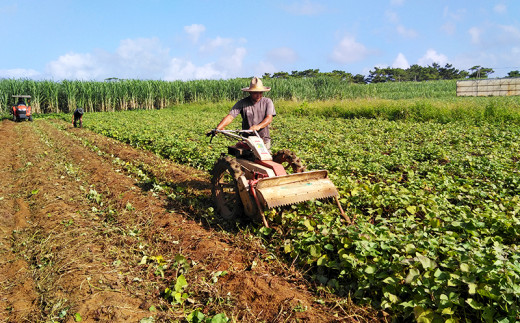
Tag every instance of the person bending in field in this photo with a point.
(77, 117)
(257, 111)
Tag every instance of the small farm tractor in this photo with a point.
(21, 110)
(248, 179)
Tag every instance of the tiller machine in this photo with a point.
(249, 180)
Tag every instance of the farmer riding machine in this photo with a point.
(249, 180)
(21, 110)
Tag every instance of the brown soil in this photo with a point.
(85, 236)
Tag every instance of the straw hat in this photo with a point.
(256, 86)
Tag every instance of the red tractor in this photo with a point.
(21, 110)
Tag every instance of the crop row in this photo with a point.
(65, 96)
(436, 204)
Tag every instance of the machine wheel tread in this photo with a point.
(224, 188)
(289, 160)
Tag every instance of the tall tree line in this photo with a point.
(415, 73)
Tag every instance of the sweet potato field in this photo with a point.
(433, 186)
(124, 230)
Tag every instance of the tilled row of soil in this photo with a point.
(85, 237)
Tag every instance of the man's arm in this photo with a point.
(225, 121)
(267, 120)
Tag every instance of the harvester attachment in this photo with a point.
(295, 188)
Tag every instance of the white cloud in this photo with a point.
(454, 15)
(497, 38)
(282, 54)
(511, 33)
(431, 57)
(232, 63)
(392, 16)
(228, 58)
(405, 32)
(147, 58)
(305, 8)
(475, 33)
(264, 67)
(349, 50)
(142, 52)
(143, 58)
(449, 28)
(400, 62)
(500, 8)
(397, 2)
(194, 31)
(75, 66)
(20, 73)
(179, 69)
(452, 18)
(215, 44)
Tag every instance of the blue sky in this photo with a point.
(210, 39)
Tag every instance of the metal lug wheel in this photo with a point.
(224, 188)
(289, 160)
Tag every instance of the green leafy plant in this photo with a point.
(77, 317)
(93, 195)
(199, 317)
(176, 295)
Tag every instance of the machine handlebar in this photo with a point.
(235, 134)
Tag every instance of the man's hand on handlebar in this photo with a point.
(212, 133)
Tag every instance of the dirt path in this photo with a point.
(86, 235)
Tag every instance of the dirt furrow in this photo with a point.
(18, 296)
(64, 245)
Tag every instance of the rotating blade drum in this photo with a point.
(295, 188)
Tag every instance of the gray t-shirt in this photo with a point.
(253, 114)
